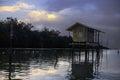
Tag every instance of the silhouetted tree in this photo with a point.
(25, 37)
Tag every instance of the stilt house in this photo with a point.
(84, 36)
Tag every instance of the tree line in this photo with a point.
(25, 37)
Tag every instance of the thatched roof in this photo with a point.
(81, 25)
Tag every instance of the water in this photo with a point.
(59, 65)
(110, 67)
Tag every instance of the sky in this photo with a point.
(61, 14)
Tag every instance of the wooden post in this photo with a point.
(10, 63)
(98, 38)
(88, 56)
(79, 56)
(11, 45)
(85, 56)
(72, 57)
(98, 59)
(92, 56)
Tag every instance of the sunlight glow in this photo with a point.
(37, 72)
(52, 71)
(16, 7)
(9, 8)
(40, 72)
(51, 16)
(37, 15)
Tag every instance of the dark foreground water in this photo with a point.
(59, 65)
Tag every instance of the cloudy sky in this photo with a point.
(60, 14)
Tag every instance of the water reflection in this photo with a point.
(50, 65)
(11, 66)
(26, 65)
(85, 64)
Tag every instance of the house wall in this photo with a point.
(90, 35)
(96, 35)
(82, 34)
(79, 34)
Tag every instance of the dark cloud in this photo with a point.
(56, 5)
(108, 6)
(100, 12)
(7, 2)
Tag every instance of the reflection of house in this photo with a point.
(82, 70)
(85, 63)
(83, 35)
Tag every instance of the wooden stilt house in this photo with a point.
(84, 36)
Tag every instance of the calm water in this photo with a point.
(60, 65)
